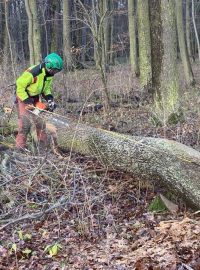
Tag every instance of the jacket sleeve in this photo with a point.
(22, 82)
(48, 87)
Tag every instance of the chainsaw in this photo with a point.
(41, 107)
(38, 108)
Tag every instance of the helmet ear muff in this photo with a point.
(48, 65)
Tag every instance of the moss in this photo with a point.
(175, 118)
(157, 205)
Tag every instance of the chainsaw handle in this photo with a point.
(30, 107)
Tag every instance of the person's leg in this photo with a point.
(41, 131)
(40, 126)
(24, 125)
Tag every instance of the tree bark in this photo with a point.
(144, 44)
(168, 162)
(10, 41)
(188, 28)
(34, 38)
(132, 37)
(164, 61)
(182, 44)
(162, 161)
(54, 27)
(68, 64)
(30, 33)
(195, 28)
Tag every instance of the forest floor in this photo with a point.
(68, 211)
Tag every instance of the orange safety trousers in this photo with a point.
(25, 120)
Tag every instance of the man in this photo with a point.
(34, 83)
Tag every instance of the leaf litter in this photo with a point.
(107, 225)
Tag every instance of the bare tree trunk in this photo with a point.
(34, 38)
(195, 29)
(188, 28)
(111, 55)
(132, 37)
(182, 44)
(67, 36)
(4, 37)
(164, 61)
(36, 33)
(144, 44)
(54, 27)
(30, 33)
(94, 25)
(22, 49)
(2, 30)
(10, 42)
(107, 29)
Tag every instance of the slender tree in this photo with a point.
(4, 35)
(195, 28)
(36, 32)
(9, 40)
(182, 44)
(1, 30)
(108, 31)
(22, 50)
(67, 36)
(144, 44)
(54, 26)
(34, 38)
(95, 23)
(188, 27)
(132, 37)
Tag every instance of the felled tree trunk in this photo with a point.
(168, 162)
(173, 164)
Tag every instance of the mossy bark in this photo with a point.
(168, 162)
(164, 62)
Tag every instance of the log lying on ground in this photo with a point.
(171, 163)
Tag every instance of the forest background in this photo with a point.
(129, 66)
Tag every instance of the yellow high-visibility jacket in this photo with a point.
(34, 81)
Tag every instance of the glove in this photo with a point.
(28, 101)
(51, 105)
(29, 104)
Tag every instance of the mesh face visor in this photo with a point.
(52, 71)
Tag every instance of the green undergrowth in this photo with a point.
(157, 205)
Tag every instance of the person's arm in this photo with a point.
(22, 82)
(47, 94)
(47, 91)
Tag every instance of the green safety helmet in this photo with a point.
(53, 61)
